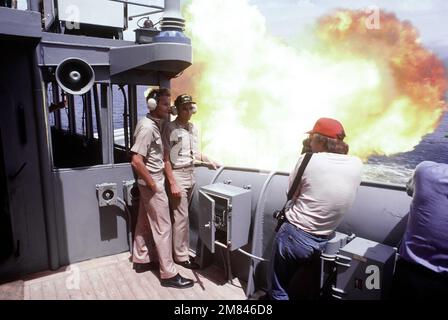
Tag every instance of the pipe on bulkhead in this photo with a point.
(33, 5)
(45, 164)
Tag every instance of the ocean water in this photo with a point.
(396, 169)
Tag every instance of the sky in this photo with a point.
(285, 17)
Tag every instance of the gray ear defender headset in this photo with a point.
(152, 101)
(173, 110)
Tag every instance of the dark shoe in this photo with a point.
(177, 281)
(143, 267)
(188, 264)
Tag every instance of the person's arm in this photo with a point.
(198, 155)
(207, 161)
(168, 168)
(174, 189)
(139, 167)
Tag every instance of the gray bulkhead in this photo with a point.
(50, 174)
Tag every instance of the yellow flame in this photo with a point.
(257, 95)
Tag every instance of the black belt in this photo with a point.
(319, 236)
(190, 166)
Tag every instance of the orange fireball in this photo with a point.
(257, 95)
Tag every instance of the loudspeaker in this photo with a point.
(75, 76)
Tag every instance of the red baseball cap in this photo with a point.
(330, 128)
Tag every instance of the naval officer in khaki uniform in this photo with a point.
(153, 238)
(180, 139)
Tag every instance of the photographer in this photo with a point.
(325, 193)
(421, 271)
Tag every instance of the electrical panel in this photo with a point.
(328, 257)
(364, 270)
(225, 215)
(107, 194)
(130, 192)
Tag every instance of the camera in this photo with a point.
(277, 214)
(280, 216)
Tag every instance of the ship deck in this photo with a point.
(112, 278)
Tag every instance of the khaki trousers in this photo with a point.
(153, 240)
(179, 209)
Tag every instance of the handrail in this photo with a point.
(139, 4)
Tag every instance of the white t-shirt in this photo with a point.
(326, 191)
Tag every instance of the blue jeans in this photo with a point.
(292, 249)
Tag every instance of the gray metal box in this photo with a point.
(364, 270)
(328, 256)
(225, 213)
(145, 35)
(334, 244)
(130, 192)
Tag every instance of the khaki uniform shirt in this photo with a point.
(148, 143)
(182, 144)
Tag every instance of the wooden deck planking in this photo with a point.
(219, 285)
(26, 293)
(62, 293)
(149, 286)
(110, 283)
(86, 287)
(214, 291)
(48, 290)
(97, 284)
(36, 291)
(113, 278)
(209, 289)
(122, 285)
(133, 282)
(13, 291)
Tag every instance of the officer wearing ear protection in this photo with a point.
(153, 232)
(180, 139)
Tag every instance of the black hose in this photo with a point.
(97, 112)
(125, 118)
